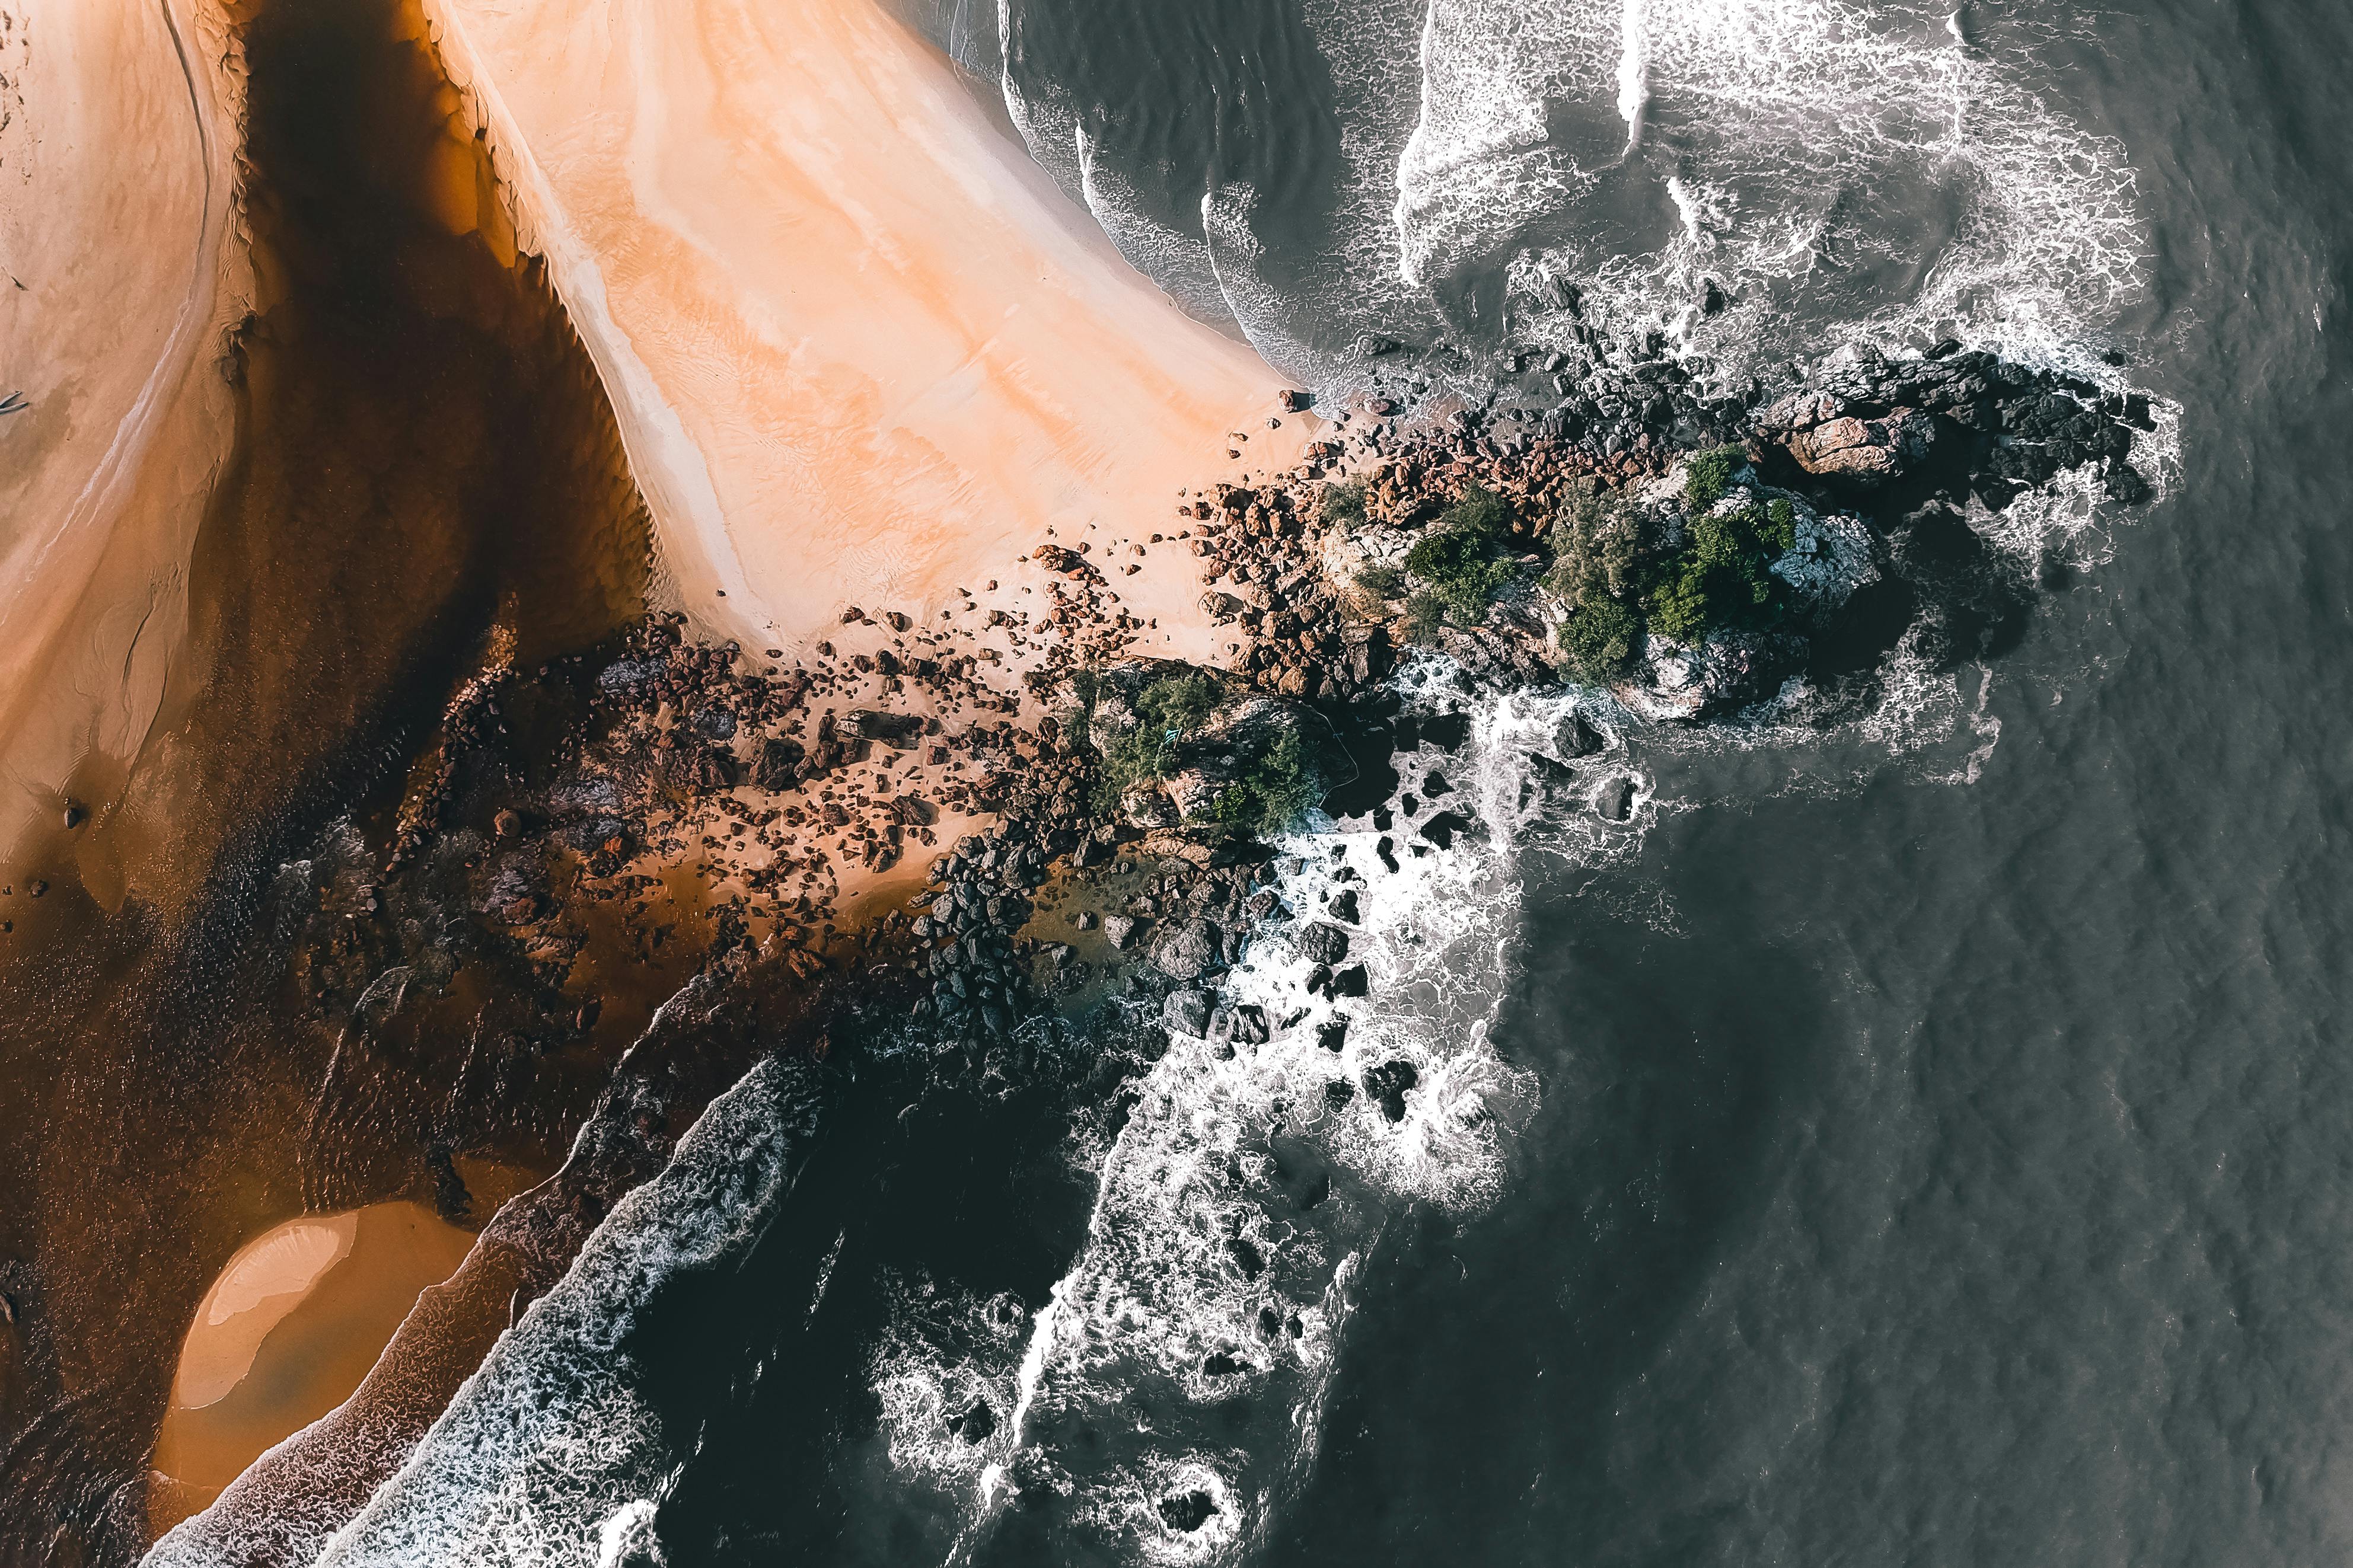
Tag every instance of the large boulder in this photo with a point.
(1865, 452)
(1190, 951)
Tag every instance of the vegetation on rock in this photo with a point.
(1457, 560)
(1619, 573)
(1271, 791)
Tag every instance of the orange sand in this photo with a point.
(859, 354)
(290, 1328)
(118, 284)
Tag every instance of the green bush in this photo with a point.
(1708, 475)
(1272, 791)
(1480, 514)
(1425, 617)
(1598, 545)
(1600, 637)
(1780, 524)
(1178, 704)
(1343, 500)
(1382, 582)
(1456, 557)
(1718, 578)
(1166, 711)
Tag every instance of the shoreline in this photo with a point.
(962, 368)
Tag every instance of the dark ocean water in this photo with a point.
(1937, 1173)
(1921, 1142)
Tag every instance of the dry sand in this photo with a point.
(116, 141)
(858, 353)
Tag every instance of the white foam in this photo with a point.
(551, 1453)
(1197, 1245)
(1862, 176)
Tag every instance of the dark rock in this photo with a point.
(1332, 1034)
(974, 1423)
(1186, 1512)
(1189, 951)
(1351, 981)
(1320, 942)
(1187, 1011)
(628, 677)
(714, 723)
(894, 729)
(1343, 905)
(1576, 738)
(1614, 802)
(780, 762)
(1388, 1083)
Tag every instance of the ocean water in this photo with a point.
(1921, 1141)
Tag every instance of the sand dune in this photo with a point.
(858, 353)
(119, 284)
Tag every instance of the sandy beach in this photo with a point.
(121, 281)
(858, 350)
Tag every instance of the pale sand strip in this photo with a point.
(120, 286)
(859, 354)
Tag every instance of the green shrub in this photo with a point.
(1425, 615)
(1480, 514)
(1598, 543)
(1456, 557)
(1272, 791)
(1343, 500)
(1600, 637)
(1708, 475)
(1780, 524)
(1382, 582)
(1166, 711)
(1178, 704)
(1718, 578)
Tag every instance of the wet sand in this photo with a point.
(858, 353)
(422, 449)
(286, 1334)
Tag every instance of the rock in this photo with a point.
(1575, 738)
(1294, 400)
(1118, 928)
(778, 765)
(628, 677)
(1343, 905)
(1388, 1084)
(1351, 981)
(974, 1423)
(896, 728)
(1865, 452)
(1728, 670)
(1187, 1011)
(1833, 556)
(1190, 951)
(1320, 942)
(1614, 801)
(714, 723)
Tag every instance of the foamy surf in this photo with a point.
(553, 1453)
